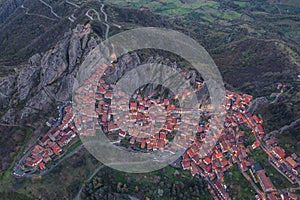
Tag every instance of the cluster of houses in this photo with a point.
(287, 165)
(144, 121)
(260, 176)
(52, 143)
(151, 130)
(230, 150)
(85, 98)
(135, 124)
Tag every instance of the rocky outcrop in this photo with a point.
(54, 63)
(27, 79)
(256, 103)
(8, 7)
(48, 78)
(126, 63)
(6, 90)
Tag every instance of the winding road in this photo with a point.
(105, 21)
(99, 19)
(51, 9)
(73, 4)
(37, 15)
(87, 181)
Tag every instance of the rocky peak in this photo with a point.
(47, 78)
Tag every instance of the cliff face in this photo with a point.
(8, 7)
(47, 78)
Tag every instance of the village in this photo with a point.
(52, 146)
(152, 130)
(230, 150)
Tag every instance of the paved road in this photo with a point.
(271, 157)
(98, 17)
(51, 9)
(17, 169)
(105, 21)
(34, 14)
(95, 11)
(252, 183)
(73, 4)
(87, 181)
(19, 174)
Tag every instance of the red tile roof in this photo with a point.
(190, 153)
(122, 133)
(108, 95)
(42, 166)
(161, 144)
(186, 164)
(291, 162)
(257, 119)
(279, 152)
(133, 104)
(37, 149)
(112, 127)
(207, 160)
(143, 144)
(56, 149)
(265, 181)
(195, 169)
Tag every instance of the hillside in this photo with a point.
(255, 45)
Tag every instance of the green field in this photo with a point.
(167, 7)
(173, 184)
(277, 179)
(237, 185)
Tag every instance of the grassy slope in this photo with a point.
(238, 186)
(175, 184)
(62, 183)
(278, 180)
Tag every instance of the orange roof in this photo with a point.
(112, 126)
(56, 149)
(224, 162)
(256, 144)
(37, 149)
(265, 181)
(194, 169)
(260, 128)
(190, 153)
(279, 151)
(219, 155)
(207, 160)
(256, 119)
(186, 164)
(143, 144)
(291, 162)
(42, 165)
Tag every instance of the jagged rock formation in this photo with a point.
(127, 63)
(6, 85)
(256, 103)
(47, 78)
